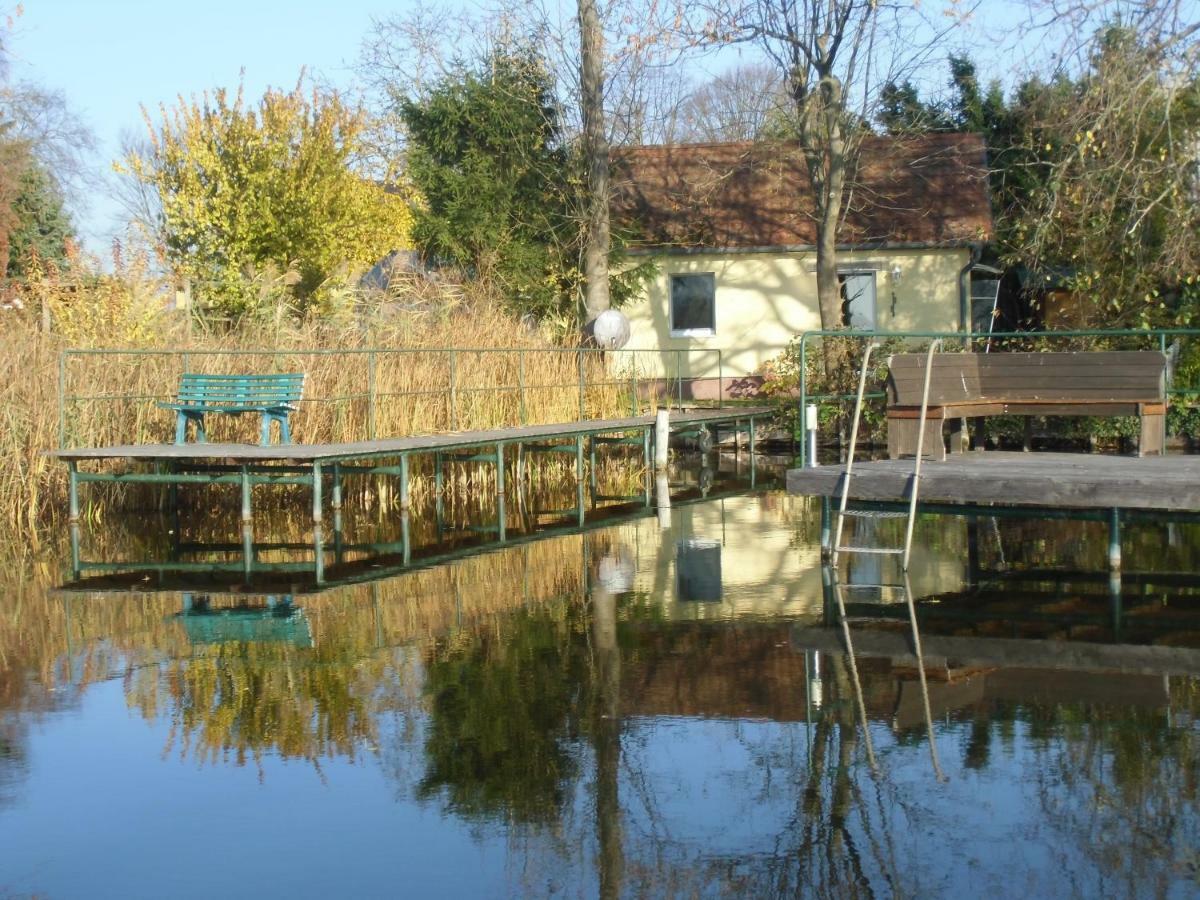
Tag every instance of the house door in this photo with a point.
(858, 300)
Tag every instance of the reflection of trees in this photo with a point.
(246, 698)
(505, 713)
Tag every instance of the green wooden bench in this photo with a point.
(273, 396)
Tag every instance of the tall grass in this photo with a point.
(424, 389)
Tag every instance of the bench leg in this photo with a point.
(1153, 439)
(902, 438)
(266, 429)
(285, 432)
(201, 434)
(180, 428)
(959, 440)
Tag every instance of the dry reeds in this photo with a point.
(388, 377)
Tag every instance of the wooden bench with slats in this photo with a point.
(975, 385)
(274, 397)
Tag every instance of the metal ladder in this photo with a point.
(903, 552)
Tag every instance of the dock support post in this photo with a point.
(826, 529)
(317, 516)
(579, 507)
(592, 466)
(662, 437)
(1114, 540)
(405, 537)
(439, 507)
(73, 490)
(972, 551)
(247, 493)
(75, 567)
(247, 523)
(336, 499)
(1116, 601)
(404, 502)
(247, 549)
(662, 499)
(751, 442)
(501, 512)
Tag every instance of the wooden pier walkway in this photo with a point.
(1043, 480)
(312, 465)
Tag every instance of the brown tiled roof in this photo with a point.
(927, 189)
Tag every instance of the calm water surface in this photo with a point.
(657, 705)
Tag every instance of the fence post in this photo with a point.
(582, 395)
(453, 392)
(521, 383)
(370, 395)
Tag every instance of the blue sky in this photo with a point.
(109, 56)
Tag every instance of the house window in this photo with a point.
(858, 299)
(693, 305)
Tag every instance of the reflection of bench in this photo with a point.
(273, 396)
(969, 385)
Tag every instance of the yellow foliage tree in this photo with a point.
(266, 195)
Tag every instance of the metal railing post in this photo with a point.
(62, 398)
(582, 396)
(720, 379)
(453, 391)
(521, 384)
(679, 378)
(371, 395)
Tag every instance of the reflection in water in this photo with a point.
(685, 706)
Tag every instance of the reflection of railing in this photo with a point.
(451, 379)
(1083, 339)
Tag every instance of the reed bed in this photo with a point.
(414, 384)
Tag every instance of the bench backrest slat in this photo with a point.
(241, 390)
(1121, 375)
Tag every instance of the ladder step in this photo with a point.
(875, 514)
(862, 586)
(885, 551)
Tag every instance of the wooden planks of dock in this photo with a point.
(1063, 480)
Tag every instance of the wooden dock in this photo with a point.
(318, 466)
(1080, 481)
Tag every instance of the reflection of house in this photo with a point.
(762, 567)
(731, 226)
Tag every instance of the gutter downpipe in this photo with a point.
(964, 307)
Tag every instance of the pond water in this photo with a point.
(657, 703)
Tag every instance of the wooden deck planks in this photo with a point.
(308, 453)
(1069, 480)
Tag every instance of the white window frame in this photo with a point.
(690, 332)
(873, 271)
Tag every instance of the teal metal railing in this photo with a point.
(997, 342)
(645, 378)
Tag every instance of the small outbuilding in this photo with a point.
(731, 227)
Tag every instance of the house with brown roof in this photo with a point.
(731, 227)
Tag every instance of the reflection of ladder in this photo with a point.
(915, 634)
(844, 513)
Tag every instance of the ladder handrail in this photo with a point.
(858, 401)
(916, 482)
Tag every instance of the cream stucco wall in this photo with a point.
(765, 299)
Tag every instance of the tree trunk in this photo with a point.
(595, 150)
(829, 291)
